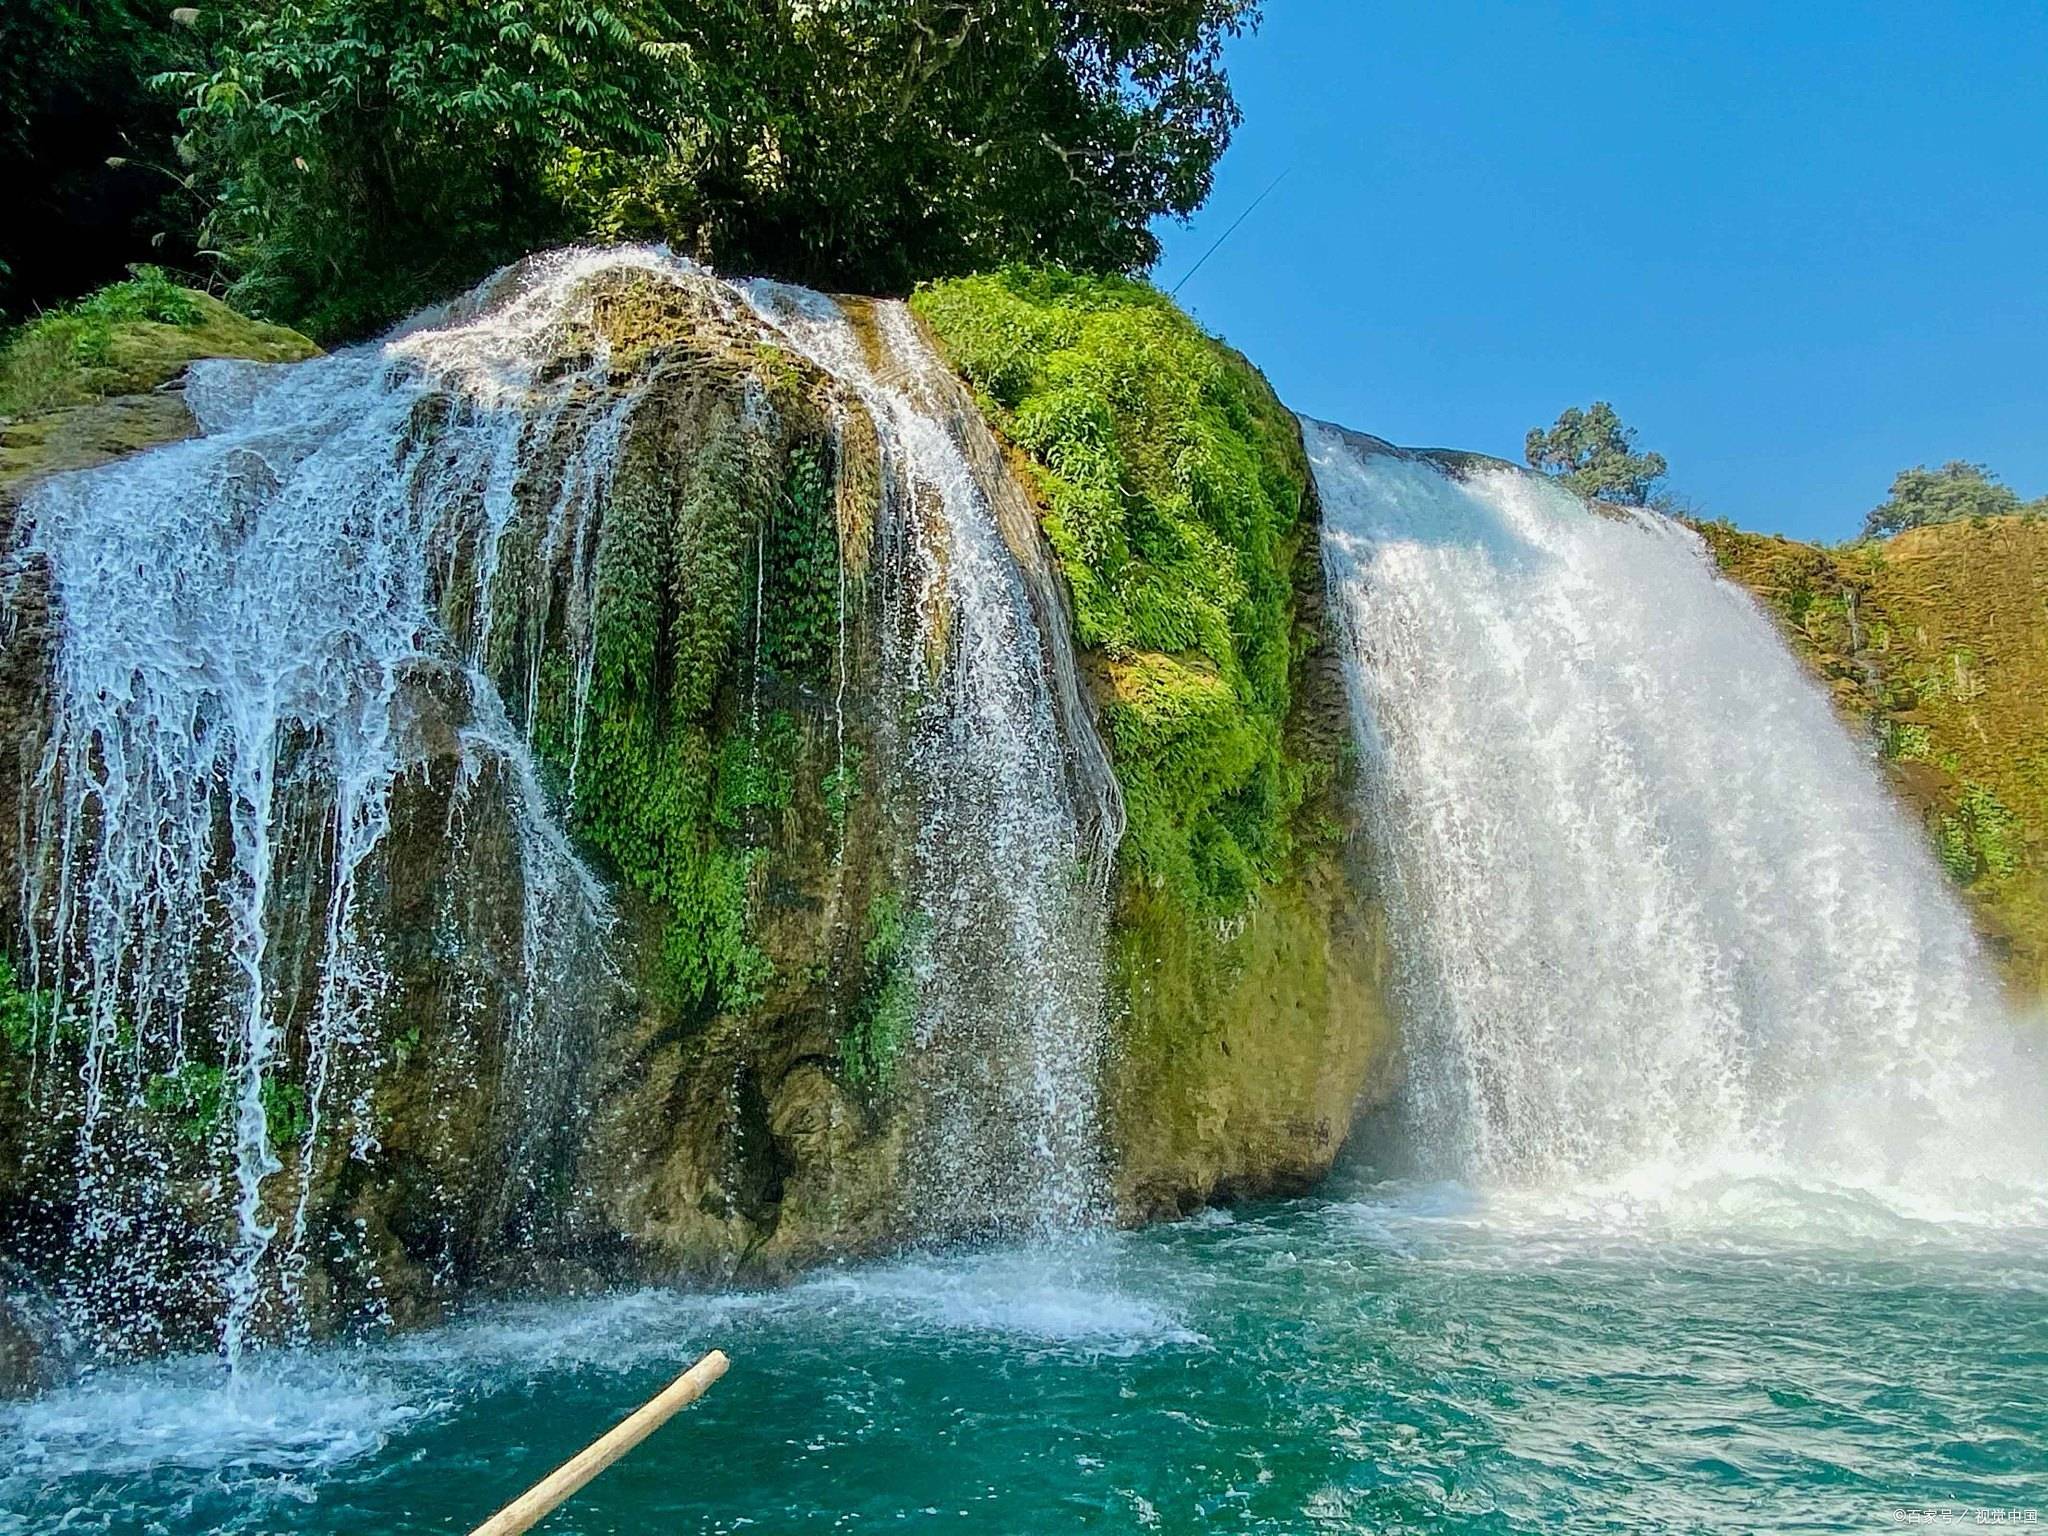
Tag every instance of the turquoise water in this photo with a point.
(1393, 1358)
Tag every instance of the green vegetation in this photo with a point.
(358, 157)
(191, 1103)
(675, 769)
(1174, 489)
(800, 599)
(196, 1103)
(24, 1012)
(1593, 453)
(127, 338)
(672, 588)
(887, 1008)
(1933, 638)
(1925, 498)
(1979, 838)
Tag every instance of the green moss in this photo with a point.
(1174, 490)
(195, 1104)
(126, 339)
(756, 771)
(27, 1014)
(842, 784)
(887, 1009)
(191, 1103)
(679, 766)
(21, 1011)
(1905, 742)
(1980, 839)
(1933, 638)
(800, 608)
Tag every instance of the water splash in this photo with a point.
(1656, 910)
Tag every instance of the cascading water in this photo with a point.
(387, 564)
(252, 628)
(1657, 915)
(1015, 815)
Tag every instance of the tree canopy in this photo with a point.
(366, 155)
(93, 184)
(1593, 453)
(1957, 490)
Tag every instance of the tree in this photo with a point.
(1593, 453)
(92, 179)
(1921, 497)
(369, 154)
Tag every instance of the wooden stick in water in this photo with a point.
(539, 1501)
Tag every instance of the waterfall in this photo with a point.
(378, 573)
(260, 633)
(1016, 810)
(1656, 913)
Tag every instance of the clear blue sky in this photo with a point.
(1798, 245)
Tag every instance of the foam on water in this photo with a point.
(1054, 1294)
(1657, 917)
(1409, 1357)
(269, 1430)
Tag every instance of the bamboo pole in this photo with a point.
(539, 1501)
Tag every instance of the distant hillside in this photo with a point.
(1937, 639)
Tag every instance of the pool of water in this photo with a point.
(1392, 1357)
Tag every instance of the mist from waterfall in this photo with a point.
(1658, 918)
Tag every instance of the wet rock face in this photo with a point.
(34, 1352)
(1247, 1049)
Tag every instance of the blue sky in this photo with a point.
(1799, 246)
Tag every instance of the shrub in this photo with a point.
(367, 155)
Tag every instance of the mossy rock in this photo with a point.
(1935, 641)
(1176, 494)
(67, 359)
(1248, 963)
(84, 386)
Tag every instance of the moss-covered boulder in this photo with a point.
(1936, 642)
(711, 1103)
(689, 611)
(90, 383)
(1246, 952)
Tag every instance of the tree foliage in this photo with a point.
(1593, 453)
(369, 154)
(93, 185)
(1921, 497)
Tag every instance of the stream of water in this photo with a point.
(1716, 1199)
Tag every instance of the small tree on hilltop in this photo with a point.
(1593, 453)
(1922, 497)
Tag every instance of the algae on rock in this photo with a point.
(1936, 640)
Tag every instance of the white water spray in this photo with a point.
(1657, 914)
